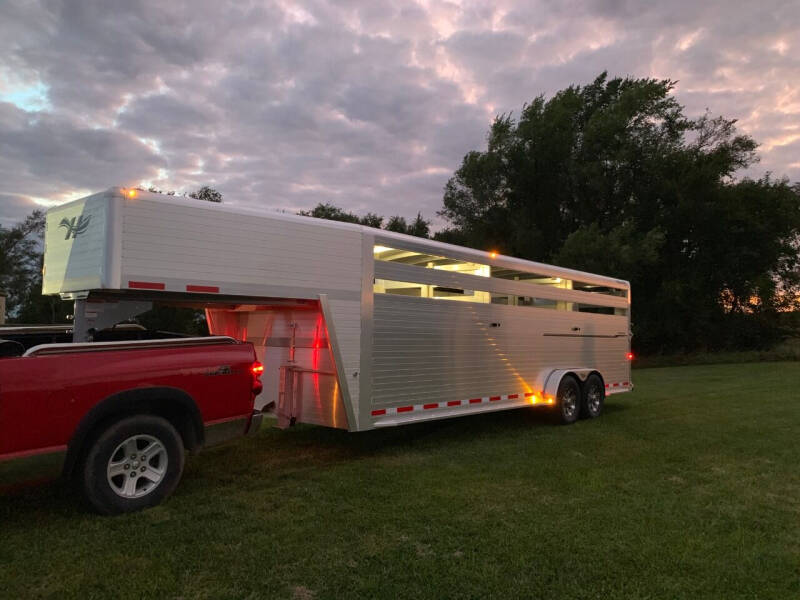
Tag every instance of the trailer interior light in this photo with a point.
(629, 356)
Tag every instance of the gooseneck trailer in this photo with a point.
(357, 327)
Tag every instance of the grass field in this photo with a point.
(687, 488)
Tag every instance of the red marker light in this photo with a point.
(257, 369)
(629, 356)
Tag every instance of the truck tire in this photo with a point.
(568, 400)
(594, 397)
(134, 463)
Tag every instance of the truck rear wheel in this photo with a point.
(568, 400)
(133, 464)
(594, 396)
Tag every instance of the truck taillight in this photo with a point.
(257, 369)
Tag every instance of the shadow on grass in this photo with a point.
(453, 429)
(33, 502)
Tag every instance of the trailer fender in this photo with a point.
(553, 379)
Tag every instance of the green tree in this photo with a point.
(418, 227)
(20, 251)
(334, 213)
(21, 261)
(614, 178)
(206, 193)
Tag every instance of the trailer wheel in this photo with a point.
(568, 400)
(594, 396)
(134, 463)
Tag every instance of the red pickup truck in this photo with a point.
(119, 416)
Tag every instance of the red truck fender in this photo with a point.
(173, 404)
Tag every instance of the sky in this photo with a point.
(368, 105)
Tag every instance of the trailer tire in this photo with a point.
(134, 463)
(568, 400)
(594, 397)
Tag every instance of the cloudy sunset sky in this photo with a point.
(368, 105)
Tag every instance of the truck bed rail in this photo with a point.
(45, 349)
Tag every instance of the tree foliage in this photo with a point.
(614, 178)
(19, 258)
(207, 193)
(419, 227)
(21, 261)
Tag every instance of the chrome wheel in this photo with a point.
(594, 399)
(569, 403)
(594, 396)
(137, 466)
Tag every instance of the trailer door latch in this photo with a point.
(494, 324)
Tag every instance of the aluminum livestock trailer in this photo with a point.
(357, 327)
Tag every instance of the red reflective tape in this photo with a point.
(429, 406)
(616, 385)
(513, 396)
(475, 401)
(212, 289)
(146, 285)
(379, 412)
(530, 394)
(625, 383)
(494, 398)
(454, 403)
(606, 385)
(405, 409)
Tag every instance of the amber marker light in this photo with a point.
(492, 254)
(131, 193)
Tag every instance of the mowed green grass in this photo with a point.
(689, 487)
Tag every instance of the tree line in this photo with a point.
(613, 178)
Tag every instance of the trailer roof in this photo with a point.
(403, 240)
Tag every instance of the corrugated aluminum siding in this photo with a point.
(428, 350)
(240, 253)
